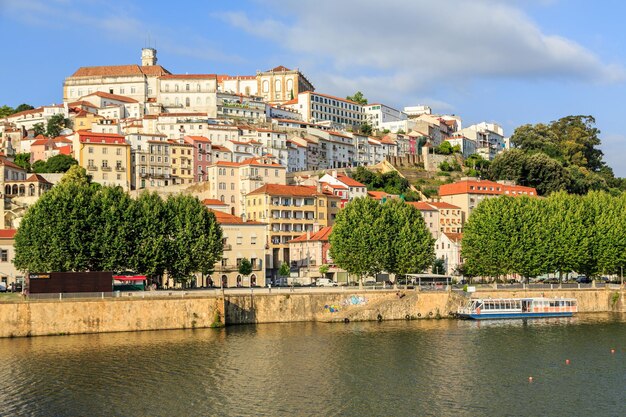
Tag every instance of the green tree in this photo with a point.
(56, 124)
(23, 107)
(284, 270)
(245, 267)
(366, 129)
(354, 240)
(55, 164)
(39, 129)
(444, 148)
(23, 160)
(6, 111)
(149, 253)
(194, 238)
(357, 98)
(323, 269)
(57, 232)
(478, 164)
(438, 266)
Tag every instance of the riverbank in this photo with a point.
(39, 318)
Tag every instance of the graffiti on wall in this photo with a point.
(354, 300)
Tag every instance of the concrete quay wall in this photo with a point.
(38, 318)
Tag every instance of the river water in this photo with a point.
(413, 368)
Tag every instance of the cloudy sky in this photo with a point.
(507, 61)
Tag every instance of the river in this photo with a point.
(412, 368)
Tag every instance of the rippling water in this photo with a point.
(416, 368)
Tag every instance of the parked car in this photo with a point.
(583, 280)
(551, 281)
(325, 282)
(3, 287)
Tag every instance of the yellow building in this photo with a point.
(182, 161)
(242, 239)
(281, 84)
(8, 274)
(105, 156)
(84, 119)
(290, 210)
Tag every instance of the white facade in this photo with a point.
(316, 107)
(414, 111)
(468, 146)
(188, 93)
(377, 114)
(448, 248)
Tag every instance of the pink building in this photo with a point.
(201, 156)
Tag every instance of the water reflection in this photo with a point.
(428, 367)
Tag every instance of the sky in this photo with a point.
(511, 62)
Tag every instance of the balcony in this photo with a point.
(92, 168)
(106, 168)
(227, 247)
(120, 168)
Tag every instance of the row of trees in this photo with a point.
(369, 237)
(561, 233)
(80, 226)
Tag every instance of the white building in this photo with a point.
(448, 248)
(377, 114)
(317, 107)
(188, 93)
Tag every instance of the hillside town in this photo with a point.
(269, 155)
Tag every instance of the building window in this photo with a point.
(90, 149)
(4, 255)
(104, 151)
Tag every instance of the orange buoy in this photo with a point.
(530, 379)
(567, 361)
(612, 350)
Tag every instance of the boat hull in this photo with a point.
(495, 316)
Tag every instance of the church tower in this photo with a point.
(148, 57)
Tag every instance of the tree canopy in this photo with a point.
(6, 111)
(55, 164)
(79, 227)
(561, 233)
(370, 237)
(389, 182)
(357, 97)
(562, 155)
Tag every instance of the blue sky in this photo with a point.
(507, 61)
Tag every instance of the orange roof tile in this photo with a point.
(226, 218)
(455, 237)
(422, 206)
(289, 190)
(113, 97)
(7, 233)
(86, 136)
(322, 235)
(483, 187)
(213, 202)
(443, 205)
(188, 76)
(349, 181)
(119, 70)
(198, 139)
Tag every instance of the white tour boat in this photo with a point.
(512, 308)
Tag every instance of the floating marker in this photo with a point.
(530, 379)
(612, 350)
(567, 361)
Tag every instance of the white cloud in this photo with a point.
(411, 46)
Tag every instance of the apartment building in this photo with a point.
(182, 162)
(451, 217)
(448, 249)
(106, 157)
(201, 156)
(290, 210)
(309, 251)
(241, 239)
(430, 214)
(376, 114)
(8, 273)
(469, 192)
(317, 107)
(231, 181)
(188, 93)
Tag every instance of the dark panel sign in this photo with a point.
(67, 282)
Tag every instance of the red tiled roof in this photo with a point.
(40, 142)
(7, 233)
(287, 190)
(321, 235)
(213, 202)
(332, 97)
(115, 97)
(65, 150)
(259, 162)
(379, 195)
(37, 178)
(349, 181)
(422, 206)
(120, 70)
(25, 112)
(225, 218)
(279, 68)
(484, 187)
(292, 101)
(85, 136)
(443, 205)
(198, 138)
(455, 237)
(4, 161)
(188, 76)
